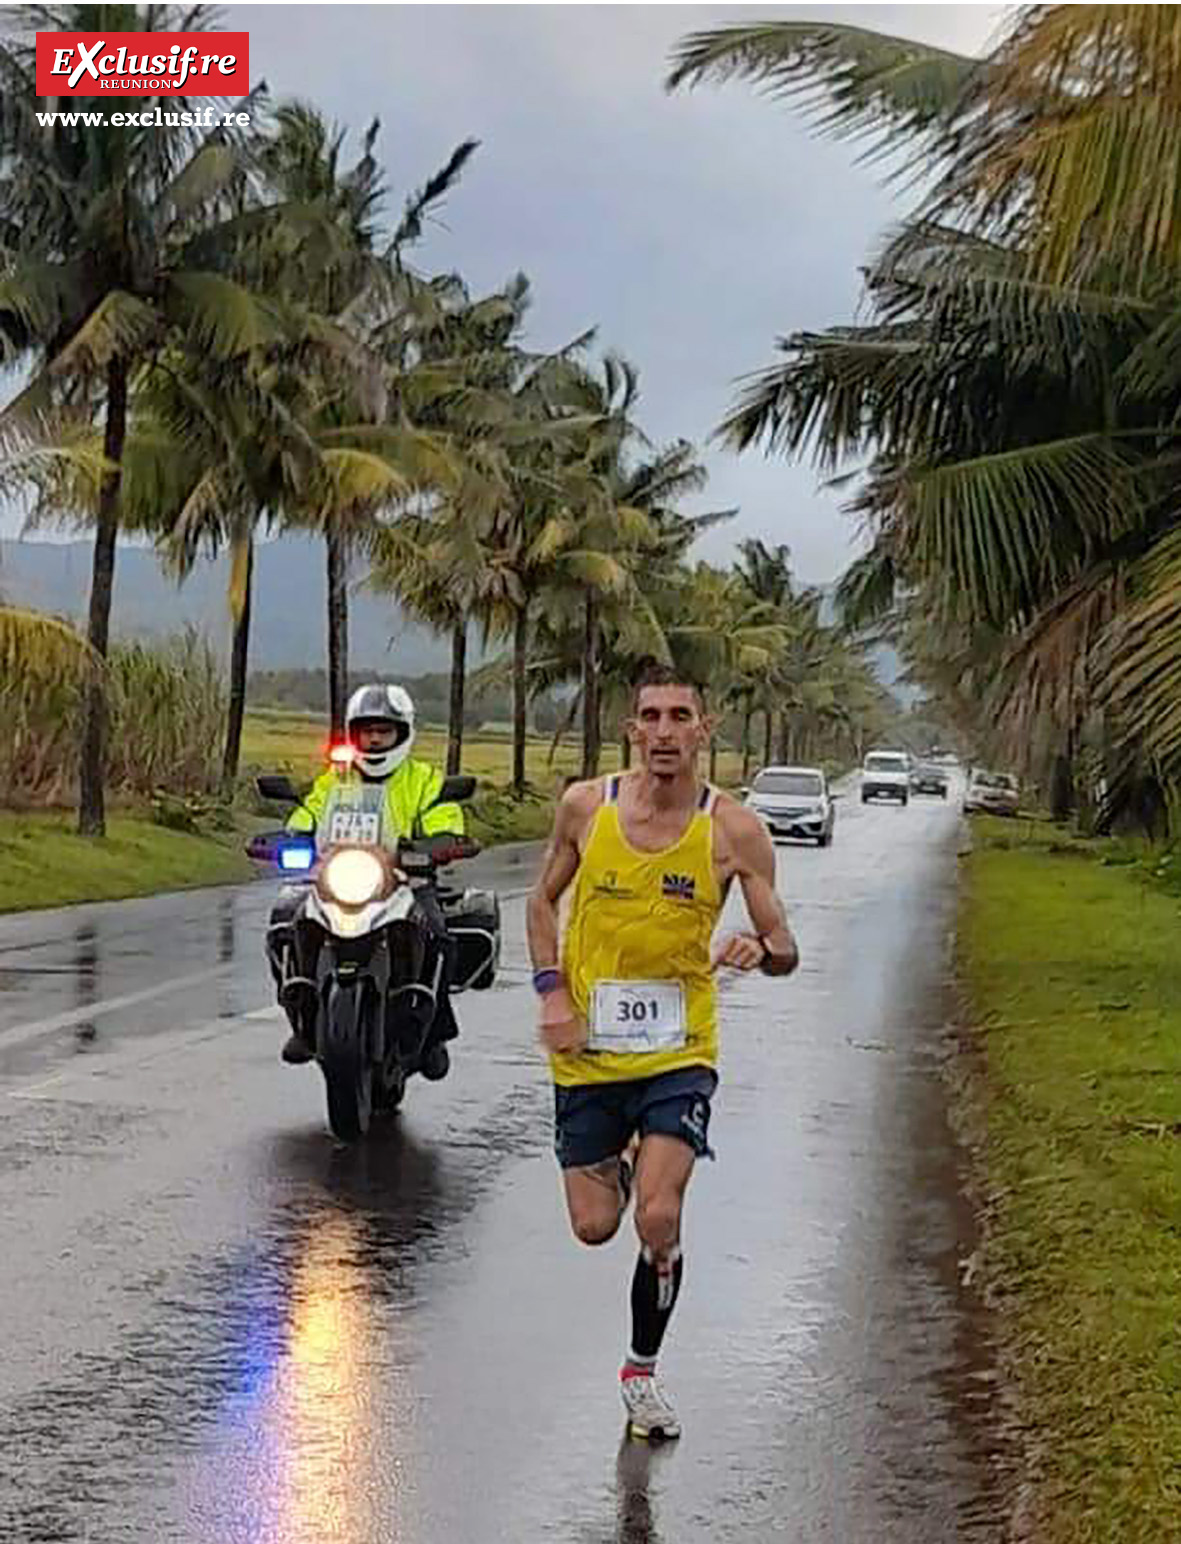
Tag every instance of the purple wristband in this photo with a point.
(546, 981)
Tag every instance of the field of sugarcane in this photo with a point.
(167, 705)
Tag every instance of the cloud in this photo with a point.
(690, 229)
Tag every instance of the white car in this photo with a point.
(794, 801)
(993, 793)
(886, 775)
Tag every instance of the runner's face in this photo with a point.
(668, 730)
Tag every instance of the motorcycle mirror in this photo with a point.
(270, 846)
(276, 785)
(455, 790)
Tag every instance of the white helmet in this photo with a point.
(382, 705)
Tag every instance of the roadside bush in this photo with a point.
(496, 816)
(197, 813)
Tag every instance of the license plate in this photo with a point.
(637, 1016)
(361, 828)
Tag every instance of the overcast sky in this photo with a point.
(689, 229)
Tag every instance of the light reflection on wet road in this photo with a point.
(222, 1327)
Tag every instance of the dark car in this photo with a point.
(928, 778)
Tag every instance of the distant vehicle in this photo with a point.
(928, 777)
(885, 775)
(993, 793)
(794, 801)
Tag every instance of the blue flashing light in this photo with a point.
(297, 858)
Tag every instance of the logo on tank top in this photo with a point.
(608, 884)
(679, 887)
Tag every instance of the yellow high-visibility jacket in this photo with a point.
(400, 802)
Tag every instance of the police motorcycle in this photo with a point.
(378, 985)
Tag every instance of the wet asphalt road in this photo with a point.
(220, 1327)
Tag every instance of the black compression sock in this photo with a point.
(654, 1296)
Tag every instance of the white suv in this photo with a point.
(794, 801)
(886, 775)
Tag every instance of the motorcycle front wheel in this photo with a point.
(347, 1069)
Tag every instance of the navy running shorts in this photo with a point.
(595, 1121)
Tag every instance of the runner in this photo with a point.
(629, 1015)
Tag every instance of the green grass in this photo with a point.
(43, 863)
(1072, 968)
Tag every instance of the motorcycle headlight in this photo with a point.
(354, 877)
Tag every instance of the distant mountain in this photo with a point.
(288, 630)
(289, 624)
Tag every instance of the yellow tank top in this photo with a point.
(641, 918)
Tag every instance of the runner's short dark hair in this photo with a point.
(655, 673)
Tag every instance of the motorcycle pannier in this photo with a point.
(473, 921)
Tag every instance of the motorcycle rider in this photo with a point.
(381, 796)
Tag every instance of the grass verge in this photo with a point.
(1070, 962)
(44, 863)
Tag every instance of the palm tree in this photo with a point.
(416, 561)
(719, 632)
(40, 652)
(767, 574)
(529, 531)
(211, 458)
(113, 241)
(614, 593)
(634, 527)
(443, 564)
(359, 282)
(443, 575)
(1023, 425)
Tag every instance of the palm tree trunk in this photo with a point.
(591, 694)
(458, 682)
(92, 815)
(338, 632)
(783, 733)
(713, 760)
(520, 704)
(1062, 791)
(747, 749)
(768, 727)
(239, 666)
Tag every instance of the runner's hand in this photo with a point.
(741, 951)
(559, 1025)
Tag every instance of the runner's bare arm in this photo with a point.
(560, 1026)
(750, 858)
(561, 864)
